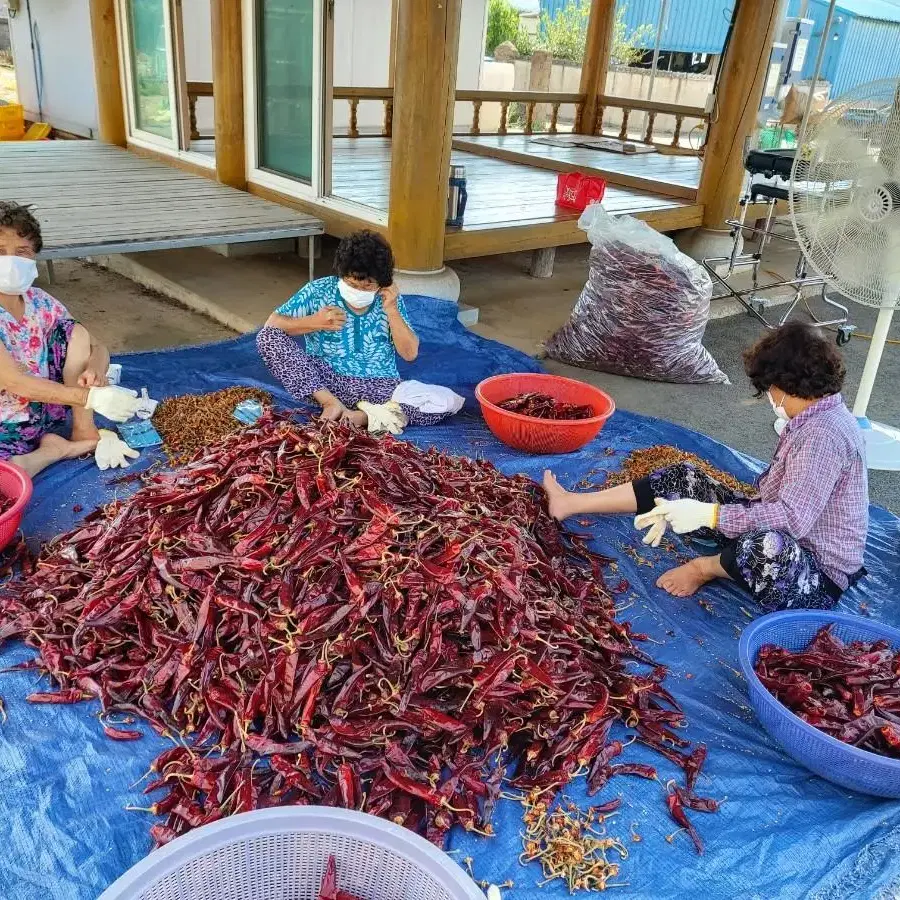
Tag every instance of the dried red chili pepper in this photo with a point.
(543, 406)
(345, 621)
(850, 691)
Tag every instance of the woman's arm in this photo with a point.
(810, 473)
(328, 318)
(94, 374)
(16, 381)
(405, 341)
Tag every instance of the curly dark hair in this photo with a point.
(22, 221)
(365, 254)
(796, 359)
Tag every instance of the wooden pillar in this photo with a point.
(228, 92)
(393, 39)
(598, 45)
(424, 89)
(110, 102)
(743, 75)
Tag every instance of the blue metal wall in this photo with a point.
(859, 49)
(691, 26)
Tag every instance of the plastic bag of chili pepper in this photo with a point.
(643, 309)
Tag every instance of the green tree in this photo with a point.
(502, 24)
(566, 33)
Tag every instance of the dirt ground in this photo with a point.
(125, 316)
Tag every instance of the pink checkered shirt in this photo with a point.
(816, 490)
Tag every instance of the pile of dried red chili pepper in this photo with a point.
(850, 691)
(6, 503)
(316, 616)
(543, 406)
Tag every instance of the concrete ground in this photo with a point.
(514, 308)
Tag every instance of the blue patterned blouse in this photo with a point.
(363, 348)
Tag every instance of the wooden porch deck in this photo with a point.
(511, 204)
(92, 198)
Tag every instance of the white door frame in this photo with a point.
(281, 183)
(136, 134)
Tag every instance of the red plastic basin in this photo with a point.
(15, 484)
(543, 435)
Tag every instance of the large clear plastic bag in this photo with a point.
(643, 310)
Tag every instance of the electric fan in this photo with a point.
(845, 209)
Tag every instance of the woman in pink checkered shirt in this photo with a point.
(800, 541)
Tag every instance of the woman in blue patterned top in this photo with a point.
(354, 324)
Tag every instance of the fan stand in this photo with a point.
(882, 441)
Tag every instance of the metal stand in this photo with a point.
(737, 261)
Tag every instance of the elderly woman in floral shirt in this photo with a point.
(800, 542)
(48, 363)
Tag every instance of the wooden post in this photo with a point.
(596, 63)
(110, 102)
(228, 97)
(744, 70)
(539, 80)
(424, 88)
(392, 52)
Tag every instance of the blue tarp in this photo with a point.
(781, 833)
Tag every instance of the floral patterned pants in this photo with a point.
(19, 438)
(303, 374)
(770, 565)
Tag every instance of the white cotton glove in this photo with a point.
(112, 450)
(656, 525)
(115, 403)
(688, 515)
(384, 418)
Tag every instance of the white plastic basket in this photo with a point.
(281, 854)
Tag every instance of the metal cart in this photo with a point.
(775, 165)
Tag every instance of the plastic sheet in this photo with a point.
(782, 832)
(643, 309)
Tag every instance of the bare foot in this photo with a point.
(686, 580)
(332, 411)
(560, 501)
(52, 449)
(358, 418)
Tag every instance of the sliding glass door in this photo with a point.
(149, 72)
(285, 87)
(284, 92)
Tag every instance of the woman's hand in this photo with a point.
(329, 318)
(90, 377)
(405, 341)
(389, 297)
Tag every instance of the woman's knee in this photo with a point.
(77, 352)
(765, 544)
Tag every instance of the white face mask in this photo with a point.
(354, 296)
(17, 274)
(779, 410)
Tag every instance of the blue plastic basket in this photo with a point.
(840, 763)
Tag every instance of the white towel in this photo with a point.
(427, 398)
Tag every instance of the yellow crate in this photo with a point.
(12, 122)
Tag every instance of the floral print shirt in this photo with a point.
(27, 342)
(363, 348)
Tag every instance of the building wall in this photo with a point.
(61, 91)
(195, 15)
(362, 40)
(859, 49)
(871, 51)
(668, 87)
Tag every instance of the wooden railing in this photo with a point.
(538, 112)
(196, 89)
